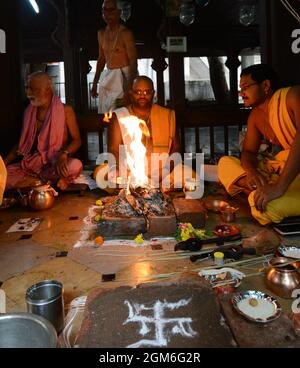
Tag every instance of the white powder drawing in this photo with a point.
(179, 326)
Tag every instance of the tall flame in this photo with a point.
(107, 116)
(136, 152)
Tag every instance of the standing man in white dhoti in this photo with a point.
(118, 52)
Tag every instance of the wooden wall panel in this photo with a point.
(11, 80)
(281, 36)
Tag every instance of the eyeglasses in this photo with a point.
(109, 10)
(244, 88)
(146, 92)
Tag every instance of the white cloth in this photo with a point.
(111, 87)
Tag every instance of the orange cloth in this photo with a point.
(2, 179)
(163, 127)
(280, 120)
(230, 170)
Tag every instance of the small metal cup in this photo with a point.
(46, 299)
(228, 214)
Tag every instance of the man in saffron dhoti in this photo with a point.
(49, 136)
(118, 52)
(273, 185)
(156, 127)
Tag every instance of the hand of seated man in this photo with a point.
(62, 167)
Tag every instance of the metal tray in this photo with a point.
(289, 251)
(216, 280)
(263, 316)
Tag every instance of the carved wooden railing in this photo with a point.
(194, 118)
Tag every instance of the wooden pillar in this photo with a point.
(176, 78)
(265, 31)
(84, 69)
(232, 64)
(71, 55)
(281, 39)
(11, 86)
(218, 80)
(159, 65)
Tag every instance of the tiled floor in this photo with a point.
(26, 262)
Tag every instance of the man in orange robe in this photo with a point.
(274, 185)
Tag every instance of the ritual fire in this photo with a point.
(141, 208)
(133, 130)
(131, 211)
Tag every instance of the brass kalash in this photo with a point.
(282, 276)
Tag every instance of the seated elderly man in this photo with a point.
(273, 184)
(49, 137)
(160, 138)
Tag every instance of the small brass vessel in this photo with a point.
(41, 197)
(282, 276)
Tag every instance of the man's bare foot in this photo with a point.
(28, 182)
(243, 184)
(62, 184)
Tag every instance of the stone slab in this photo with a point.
(151, 225)
(190, 210)
(162, 225)
(177, 314)
(278, 333)
(118, 226)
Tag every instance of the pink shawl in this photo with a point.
(50, 138)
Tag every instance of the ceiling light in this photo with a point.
(35, 6)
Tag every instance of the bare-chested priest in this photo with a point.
(117, 52)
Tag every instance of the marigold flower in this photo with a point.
(99, 240)
(139, 239)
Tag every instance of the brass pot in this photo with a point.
(228, 214)
(41, 197)
(283, 277)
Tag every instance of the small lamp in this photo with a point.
(125, 10)
(187, 12)
(247, 14)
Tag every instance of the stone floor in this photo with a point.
(24, 262)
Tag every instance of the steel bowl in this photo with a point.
(289, 252)
(26, 330)
(254, 294)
